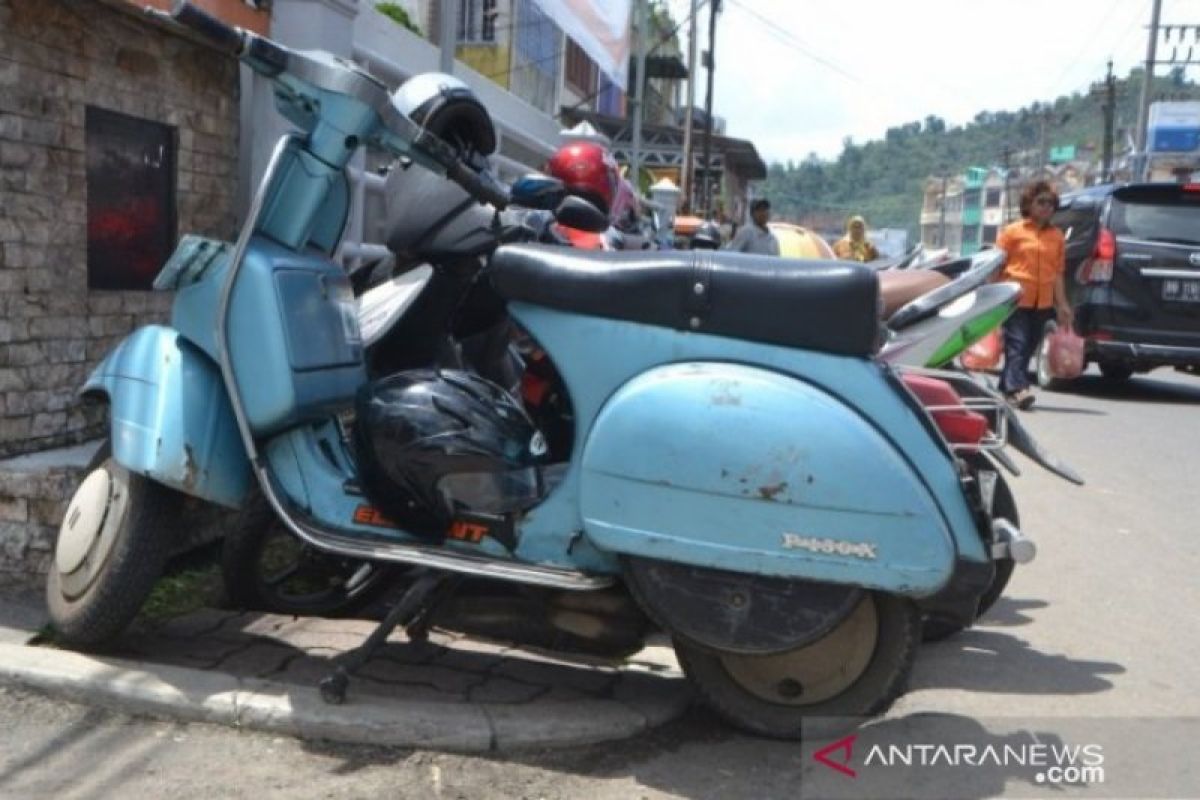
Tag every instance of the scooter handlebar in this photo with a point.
(225, 37)
(478, 184)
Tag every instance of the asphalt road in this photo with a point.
(1095, 642)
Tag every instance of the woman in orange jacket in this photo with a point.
(1036, 254)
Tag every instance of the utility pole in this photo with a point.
(447, 34)
(1143, 154)
(942, 234)
(685, 175)
(710, 62)
(1007, 153)
(639, 98)
(1110, 107)
(1042, 114)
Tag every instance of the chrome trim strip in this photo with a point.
(1152, 243)
(235, 266)
(309, 530)
(1186, 274)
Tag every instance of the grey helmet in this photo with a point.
(707, 237)
(446, 107)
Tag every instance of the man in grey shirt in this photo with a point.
(756, 237)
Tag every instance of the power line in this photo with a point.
(792, 41)
(786, 37)
(1054, 87)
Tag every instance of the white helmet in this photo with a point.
(446, 107)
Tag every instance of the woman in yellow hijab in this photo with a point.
(855, 246)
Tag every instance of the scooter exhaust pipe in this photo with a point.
(1011, 543)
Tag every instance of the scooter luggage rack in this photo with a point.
(997, 434)
(993, 407)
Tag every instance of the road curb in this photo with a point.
(200, 696)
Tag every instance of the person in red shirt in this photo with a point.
(1036, 254)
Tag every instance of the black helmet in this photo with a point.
(435, 445)
(707, 237)
(446, 107)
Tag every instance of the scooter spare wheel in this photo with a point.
(850, 658)
(113, 541)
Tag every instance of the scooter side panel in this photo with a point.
(170, 416)
(598, 356)
(792, 483)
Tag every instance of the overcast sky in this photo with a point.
(796, 76)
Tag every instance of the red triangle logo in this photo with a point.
(823, 755)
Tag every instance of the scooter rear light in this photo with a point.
(961, 427)
(956, 422)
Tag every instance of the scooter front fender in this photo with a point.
(170, 416)
(741, 468)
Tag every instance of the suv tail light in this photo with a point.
(1099, 268)
(959, 425)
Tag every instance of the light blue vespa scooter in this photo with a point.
(769, 493)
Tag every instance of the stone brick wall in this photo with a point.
(34, 493)
(56, 58)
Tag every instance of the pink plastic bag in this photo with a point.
(984, 354)
(1064, 354)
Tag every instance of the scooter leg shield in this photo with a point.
(170, 417)
(747, 470)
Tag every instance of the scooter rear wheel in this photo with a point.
(115, 537)
(821, 689)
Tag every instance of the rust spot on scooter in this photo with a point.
(191, 471)
(771, 491)
(724, 393)
(725, 397)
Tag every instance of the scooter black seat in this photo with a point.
(830, 306)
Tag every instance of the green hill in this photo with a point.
(883, 179)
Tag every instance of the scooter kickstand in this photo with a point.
(417, 629)
(416, 604)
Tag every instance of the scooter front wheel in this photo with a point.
(114, 539)
(820, 689)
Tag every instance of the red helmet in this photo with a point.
(587, 170)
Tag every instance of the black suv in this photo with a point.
(1133, 275)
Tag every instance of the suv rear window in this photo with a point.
(1163, 214)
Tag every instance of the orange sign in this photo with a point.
(471, 532)
(369, 515)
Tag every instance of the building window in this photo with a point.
(130, 199)
(971, 198)
(993, 198)
(581, 70)
(537, 56)
(477, 21)
(610, 100)
(989, 234)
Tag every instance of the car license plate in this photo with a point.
(1181, 291)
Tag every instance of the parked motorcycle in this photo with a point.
(744, 472)
(934, 314)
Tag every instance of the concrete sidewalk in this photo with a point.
(261, 671)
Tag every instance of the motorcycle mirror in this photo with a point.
(575, 212)
(538, 191)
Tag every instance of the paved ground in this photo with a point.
(1096, 642)
(261, 671)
